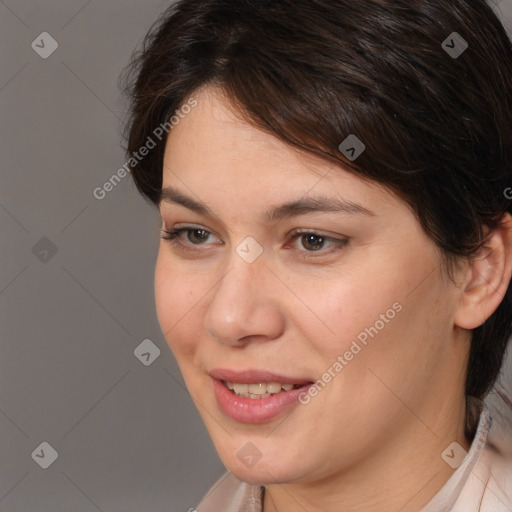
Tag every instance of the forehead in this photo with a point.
(214, 151)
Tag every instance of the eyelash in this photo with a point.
(173, 238)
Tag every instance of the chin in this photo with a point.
(265, 473)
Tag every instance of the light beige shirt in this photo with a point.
(482, 482)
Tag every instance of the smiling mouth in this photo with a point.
(261, 389)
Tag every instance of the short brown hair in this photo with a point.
(436, 126)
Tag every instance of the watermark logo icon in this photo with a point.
(44, 250)
(249, 454)
(44, 45)
(455, 45)
(352, 147)
(45, 455)
(146, 352)
(249, 249)
(454, 454)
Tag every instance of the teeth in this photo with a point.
(259, 390)
(240, 388)
(274, 387)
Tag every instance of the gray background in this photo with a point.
(127, 435)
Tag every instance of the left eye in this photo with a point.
(314, 242)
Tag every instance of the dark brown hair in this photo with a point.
(436, 125)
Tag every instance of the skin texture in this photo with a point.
(372, 438)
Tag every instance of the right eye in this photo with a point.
(187, 237)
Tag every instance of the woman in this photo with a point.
(333, 276)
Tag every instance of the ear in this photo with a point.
(487, 277)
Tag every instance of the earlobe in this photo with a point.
(488, 278)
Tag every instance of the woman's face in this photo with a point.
(356, 299)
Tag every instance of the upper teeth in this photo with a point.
(259, 390)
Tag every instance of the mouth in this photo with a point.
(259, 390)
(256, 396)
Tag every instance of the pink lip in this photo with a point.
(259, 410)
(254, 376)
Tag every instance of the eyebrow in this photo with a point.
(301, 206)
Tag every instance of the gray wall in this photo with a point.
(76, 280)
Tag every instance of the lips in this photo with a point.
(260, 409)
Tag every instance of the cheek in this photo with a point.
(391, 337)
(345, 309)
(372, 319)
(177, 297)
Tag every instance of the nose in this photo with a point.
(244, 305)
